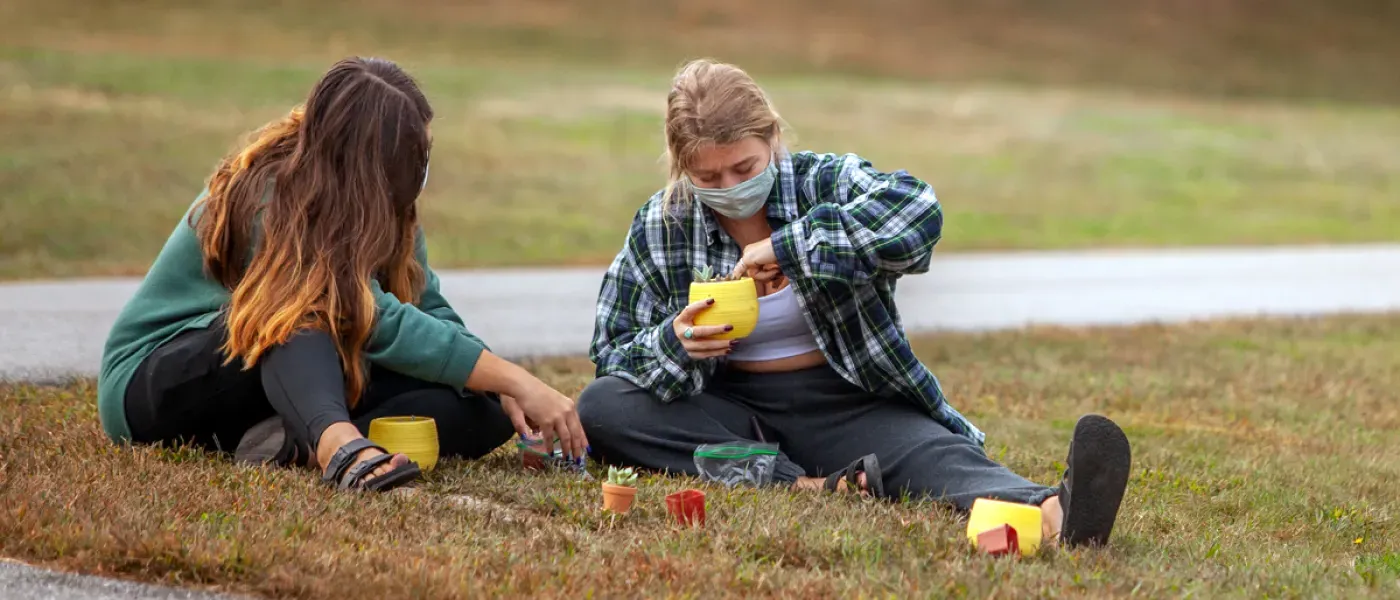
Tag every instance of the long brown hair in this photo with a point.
(334, 187)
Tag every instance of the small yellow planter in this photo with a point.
(736, 303)
(988, 514)
(415, 437)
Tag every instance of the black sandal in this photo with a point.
(345, 474)
(1100, 459)
(867, 464)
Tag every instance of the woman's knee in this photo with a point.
(606, 401)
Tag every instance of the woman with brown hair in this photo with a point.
(294, 304)
(828, 373)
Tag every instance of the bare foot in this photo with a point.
(337, 435)
(1051, 517)
(817, 484)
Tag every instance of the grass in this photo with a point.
(1099, 124)
(1264, 467)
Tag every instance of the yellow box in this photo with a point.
(1024, 518)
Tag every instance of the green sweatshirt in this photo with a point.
(428, 341)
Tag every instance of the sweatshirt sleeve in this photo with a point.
(432, 301)
(428, 341)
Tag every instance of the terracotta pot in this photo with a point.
(687, 507)
(736, 304)
(618, 498)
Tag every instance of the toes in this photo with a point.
(397, 461)
(369, 453)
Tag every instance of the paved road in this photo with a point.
(22, 582)
(56, 329)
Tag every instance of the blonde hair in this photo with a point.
(711, 103)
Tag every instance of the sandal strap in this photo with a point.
(356, 473)
(868, 464)
(874, 477)
(833, 480)
(344, 457)
(849, 474)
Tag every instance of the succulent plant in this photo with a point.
(623, 477)
(707, 275)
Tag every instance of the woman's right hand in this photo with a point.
(530, 403)
(697, 344)
(542, 407)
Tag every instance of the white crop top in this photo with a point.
(781, 332)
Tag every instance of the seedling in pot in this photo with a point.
(707, 275)
(622, 477)
(619, 489)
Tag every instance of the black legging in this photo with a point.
(183, 392)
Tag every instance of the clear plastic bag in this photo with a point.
(737, 463)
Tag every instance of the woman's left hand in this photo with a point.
(759, 261)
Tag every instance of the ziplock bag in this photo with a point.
(737, 463)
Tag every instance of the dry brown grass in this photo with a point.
(1264, 466)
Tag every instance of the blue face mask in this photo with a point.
(743, 200)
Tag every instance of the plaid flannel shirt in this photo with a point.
(844, 233)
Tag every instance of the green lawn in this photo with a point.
(1037, 130)
(1264, 467)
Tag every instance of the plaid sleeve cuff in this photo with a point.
(671, 347)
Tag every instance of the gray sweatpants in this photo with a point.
(821, 422)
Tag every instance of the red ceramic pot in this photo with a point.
(687, 507)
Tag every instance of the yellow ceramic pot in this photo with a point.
(989, 514)
(736, 303)
(416, 437)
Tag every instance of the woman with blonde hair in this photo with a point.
(828, 373)
(294, 304)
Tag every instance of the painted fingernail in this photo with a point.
(729, 328)
(710, 301)
(733, 343)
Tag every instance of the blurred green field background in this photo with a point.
(1087, 124)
